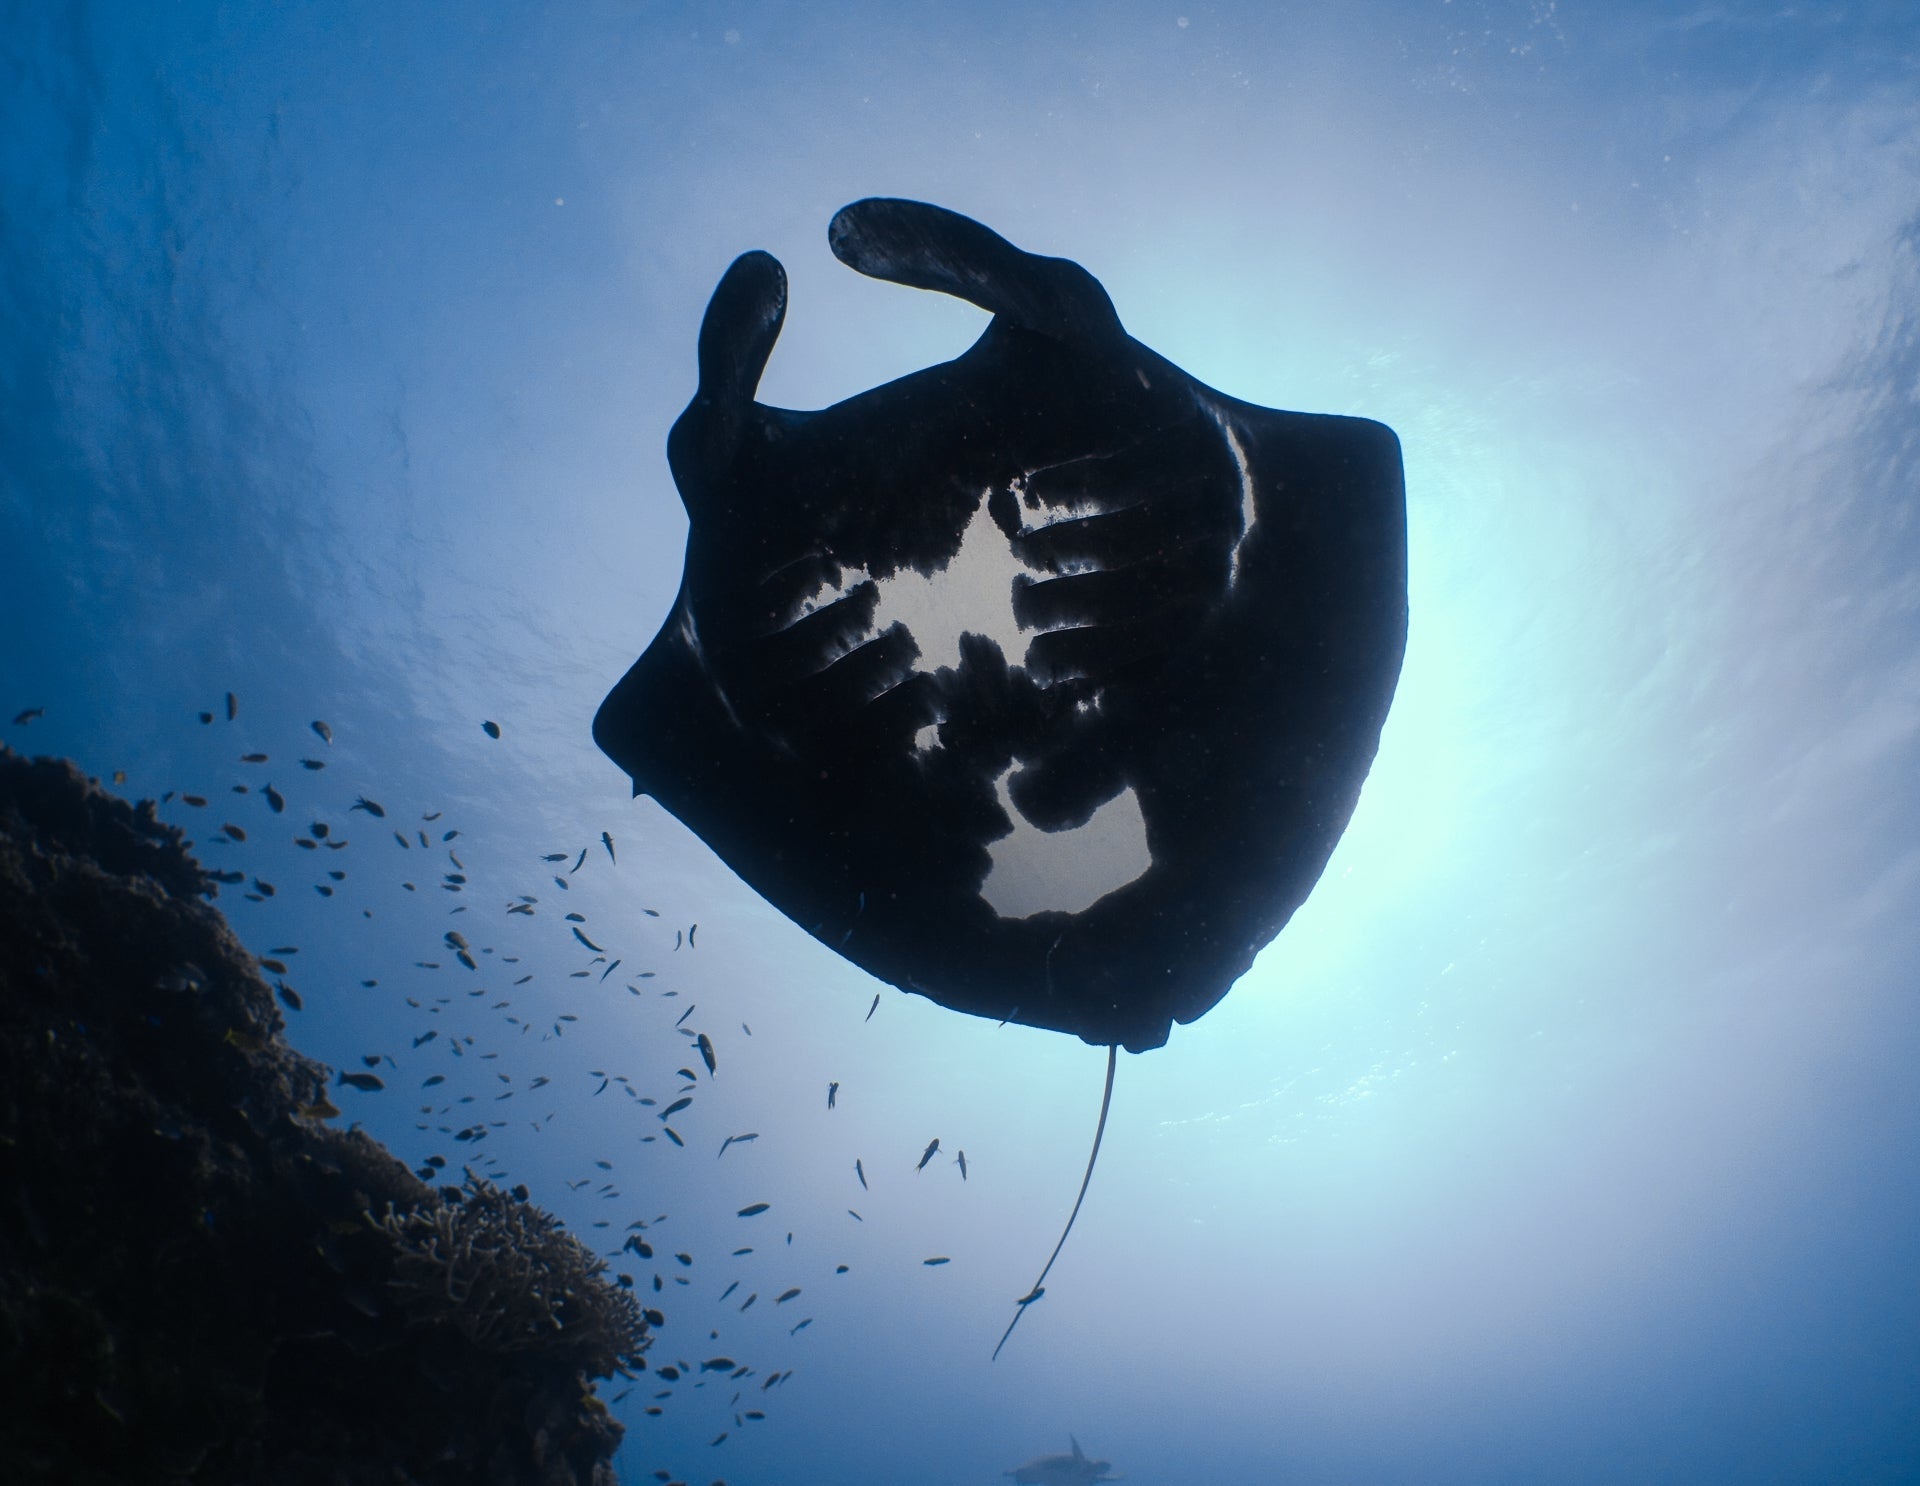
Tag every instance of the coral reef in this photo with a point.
(510, 1279)
(202, 1281)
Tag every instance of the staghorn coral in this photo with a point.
(510, 1278)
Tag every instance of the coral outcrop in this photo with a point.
(200, 1279)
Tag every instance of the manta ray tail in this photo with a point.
(1106, 1098)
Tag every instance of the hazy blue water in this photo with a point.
(1569, 1133)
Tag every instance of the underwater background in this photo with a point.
(1570, 1131)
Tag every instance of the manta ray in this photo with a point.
(1061, 1470)
(1041, 682)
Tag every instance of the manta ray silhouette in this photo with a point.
(1042, 682)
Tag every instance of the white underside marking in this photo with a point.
(973, 593)
(1246, 490)
(1065, 871)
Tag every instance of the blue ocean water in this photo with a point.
(1567, 1135)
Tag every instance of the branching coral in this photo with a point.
(511, 1279)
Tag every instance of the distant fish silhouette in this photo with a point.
(1061, 1470)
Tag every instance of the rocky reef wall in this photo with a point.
(200, 1279)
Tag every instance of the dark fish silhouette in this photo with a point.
(1061, 1470)
(372, 808)
(606, 840)
(367, 1083)
(1085, 796)
(833, 1093)
(21, 719)
(491, 729)
(705, 1044)
(928, 1153)
(325, 732)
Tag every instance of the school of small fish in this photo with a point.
(443, 1113)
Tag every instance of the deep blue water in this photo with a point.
(1567, 1135)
